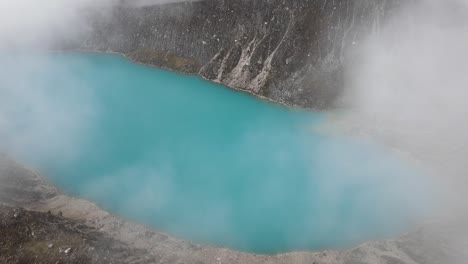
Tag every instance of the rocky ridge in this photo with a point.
(291, 52)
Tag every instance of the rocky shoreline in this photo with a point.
(291, 52)
(261, 97)
(39, 224)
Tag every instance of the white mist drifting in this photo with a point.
(27, 22)
(40, 119)
(408, 87)
(40, 23)
(30, 118)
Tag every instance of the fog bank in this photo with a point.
(407, 88)
(40, 24)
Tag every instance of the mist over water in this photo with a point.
(203, 162)
(45, 110)
(405, 90)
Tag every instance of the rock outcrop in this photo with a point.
(292, 52)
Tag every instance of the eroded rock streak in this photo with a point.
(292, 52)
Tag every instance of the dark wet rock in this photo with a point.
(38, 237)
(22, 187)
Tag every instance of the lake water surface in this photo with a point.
(201, 161)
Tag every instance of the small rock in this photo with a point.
(66, 251)
(50, 245)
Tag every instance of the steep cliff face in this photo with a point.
(292, 52)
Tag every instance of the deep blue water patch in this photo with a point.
(213, 165)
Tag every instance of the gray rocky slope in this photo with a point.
(292, 52)
(39, 224)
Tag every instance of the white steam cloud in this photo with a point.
(30, 119)
(408, 88)
(39, 23)
(42, 119)
(23, 22)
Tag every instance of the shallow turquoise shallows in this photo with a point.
(213, 165)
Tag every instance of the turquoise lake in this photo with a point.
(201, 161)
